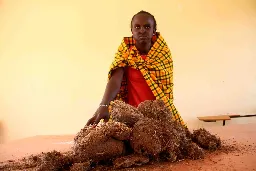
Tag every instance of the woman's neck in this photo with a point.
(143, 48)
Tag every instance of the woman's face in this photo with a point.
(143, 28)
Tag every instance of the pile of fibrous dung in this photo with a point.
(101, 142)
(138, 135)
(133, 136)
(205, 140)
(156, 134)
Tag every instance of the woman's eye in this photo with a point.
(137, 27)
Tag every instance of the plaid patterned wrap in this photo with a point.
(157, 70)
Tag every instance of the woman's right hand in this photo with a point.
(112, 88)
(101, 113)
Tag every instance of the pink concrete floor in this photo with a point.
(242, 135)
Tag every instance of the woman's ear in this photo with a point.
(131, 31)
(154, 32)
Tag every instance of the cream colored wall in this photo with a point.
(55, 54)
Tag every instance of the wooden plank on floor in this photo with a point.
(234, 115)
(214, 118)
(241, 116)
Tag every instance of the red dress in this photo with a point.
(138, 89)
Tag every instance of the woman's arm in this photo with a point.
(112, 88)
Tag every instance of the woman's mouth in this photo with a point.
(143, 37)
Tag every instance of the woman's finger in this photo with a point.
(90, 121)
(106, 118)
(97, 120)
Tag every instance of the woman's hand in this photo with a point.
(111, 91)
(101, 113)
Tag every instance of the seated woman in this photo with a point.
(142, 69)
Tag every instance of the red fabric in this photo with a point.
(138, 89)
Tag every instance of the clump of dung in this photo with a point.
(158, 136)
(80, 166)
(117, 130)
(101, 142)
(206, 140)
(163, 139)
(102, 168)
(189, 149)
(130, 160)
(155, 109)
(145, 137)
(22, 164)
(177, 143)
(125, 113)
(55, 160)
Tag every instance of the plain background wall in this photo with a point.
(55, 55)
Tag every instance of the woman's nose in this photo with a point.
(142, 29)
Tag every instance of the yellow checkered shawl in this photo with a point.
(157, 70)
